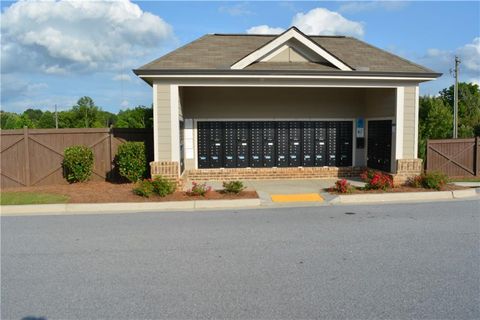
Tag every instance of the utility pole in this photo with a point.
(56, 117)
(455, 100)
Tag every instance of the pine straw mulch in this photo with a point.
(103, 192)
(403, 188)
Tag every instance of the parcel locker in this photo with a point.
(243, 144)
(345, 139)
(320, 143)
(203, 129)
(282, 144)
(294, 145)
(256, 144)
(230, 141)
(216, 144)
(308, 144)
(332, 130)
(268, 143)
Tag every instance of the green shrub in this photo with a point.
(131, 161)
(233, 186)
(375, 180)
(342, 186)
(199, 189)
(432, 180)
(77, 163)
(163, 186)
(143, 188)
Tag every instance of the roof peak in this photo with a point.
(271, 35)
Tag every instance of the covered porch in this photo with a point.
(199, 128)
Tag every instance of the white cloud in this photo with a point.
(361, 6)
(264, 29)
(57, 37)
(443, 60)
(14, 87)
(470, 55)
(122, 77)
(321, 21)
(318, 21)
(239, 9)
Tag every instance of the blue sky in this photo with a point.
(55, 52)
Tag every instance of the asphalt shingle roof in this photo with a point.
(219, 52)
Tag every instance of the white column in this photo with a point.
(174, 119)
(399, 115)
(415, 156)
(155, 124)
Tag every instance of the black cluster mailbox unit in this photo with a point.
(240, 144)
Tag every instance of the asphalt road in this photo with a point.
(389, 261)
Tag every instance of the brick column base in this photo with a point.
(166, 169)
(407, 168)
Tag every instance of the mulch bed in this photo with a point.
(448, 187)
(101, 192)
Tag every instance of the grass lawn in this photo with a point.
(465, 180)
(12, 198)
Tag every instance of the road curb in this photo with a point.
(404, 196)
(93, 208)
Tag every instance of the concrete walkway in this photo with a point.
(267, 188)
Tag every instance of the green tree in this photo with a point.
(139, 117)
(47, 120)
(468, 107)
(33, 114)
(435, 119)
(10, 120)
(86, 114)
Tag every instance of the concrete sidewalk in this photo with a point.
(267, 188)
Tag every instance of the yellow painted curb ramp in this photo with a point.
(299, 197)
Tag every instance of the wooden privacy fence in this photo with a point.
(31, 157)
(454, 157)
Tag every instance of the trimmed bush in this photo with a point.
(163, 187)
(199, 189)
(233, 186)
(143, 188)
(131, 161)
(77, 163)
(431, 180)
(376, 180)
(342, 186)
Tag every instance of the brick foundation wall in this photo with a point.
(166, 169)
(272, 173)
(407, 168)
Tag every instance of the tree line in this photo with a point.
(84, 114)
(435, 116)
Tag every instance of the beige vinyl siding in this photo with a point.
(163, 139)
(409, 124)
(286, 103)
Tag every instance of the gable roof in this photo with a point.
(217, 53)
(292, 33)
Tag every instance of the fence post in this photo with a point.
(477, 156)
(27, 156)
(111, 147)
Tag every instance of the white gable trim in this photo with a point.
(281, 40)
(274, 53)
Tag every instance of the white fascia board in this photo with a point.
(241, 76)
(282, 39)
